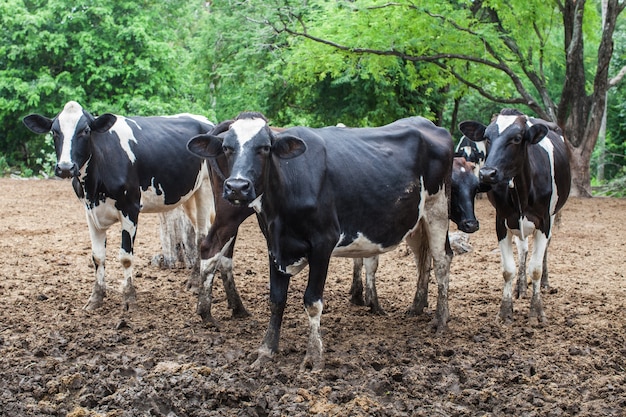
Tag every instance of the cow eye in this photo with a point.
(516, 140)
(264, 150)
(227, 150)
(86, 131)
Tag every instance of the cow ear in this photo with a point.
(286, 147)
(536, 132)
(103, 123)
(37, 123)
(473, 130)
(205, 146)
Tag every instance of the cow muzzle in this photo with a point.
(66, 170)
(239, 191)
(468, 226)
(488, 175)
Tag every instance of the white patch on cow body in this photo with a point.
(549, 148)
(526, 228)
(192, 116)
(125, 135)
(68, 119)
(257, 204)
(361, 247)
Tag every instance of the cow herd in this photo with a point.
(316, 193)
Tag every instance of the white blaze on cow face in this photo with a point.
(125, 135)
(246, 129)
(68, 120)
(505, 121)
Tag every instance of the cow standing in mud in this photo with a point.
(529, 174)
(121, 166)
(344, 192)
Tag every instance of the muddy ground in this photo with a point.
(57, 359)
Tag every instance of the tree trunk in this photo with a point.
(178, 240)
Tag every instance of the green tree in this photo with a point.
(111, 56)
(513, 54)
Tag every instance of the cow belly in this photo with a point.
(361, 247)
(526, 228)
(153, 198)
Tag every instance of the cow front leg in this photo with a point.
(371, 295)
(279, 284)
(313, 305)
(232, 295)
(98, 255)
(508, 273)
(522, 255)
(208, 268)
(129, 294)
(540, 248)
(356, 290)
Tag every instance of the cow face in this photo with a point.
(465, 186)
(249, 146)
(71, 130)
(509, 136)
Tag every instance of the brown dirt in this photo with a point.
(56, 359)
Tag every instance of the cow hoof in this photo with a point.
(130, 305)
(241, 313)
(377, 310)
(357, 300)
(92, 305)
(316, 365)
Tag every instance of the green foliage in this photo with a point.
(111, 56)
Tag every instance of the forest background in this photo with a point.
(320, 62)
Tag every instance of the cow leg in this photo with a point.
(356, 290)
(279, 284)
(540, 247)
(439, 249)
(371, 296)
(98, 254)
(313, 304)
(508, 273)
(522, 255)
(423, 262)
(208, 268)
(232, 295)
(129, 231)
(544, 271)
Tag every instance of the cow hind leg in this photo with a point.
(522, 255)
(540, 247)
(423, 262)
(544, 271)
(356, 290)
(98, 254)
(129, 294)
(371, 295)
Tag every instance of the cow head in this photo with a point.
(71, 130)
(465, 186)
(249, 146)
(510, 133)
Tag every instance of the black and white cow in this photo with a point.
(475, 152)
(528, 171)
(121, 166)
(334, 191)
(465, 187)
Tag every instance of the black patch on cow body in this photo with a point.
(353, 182)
